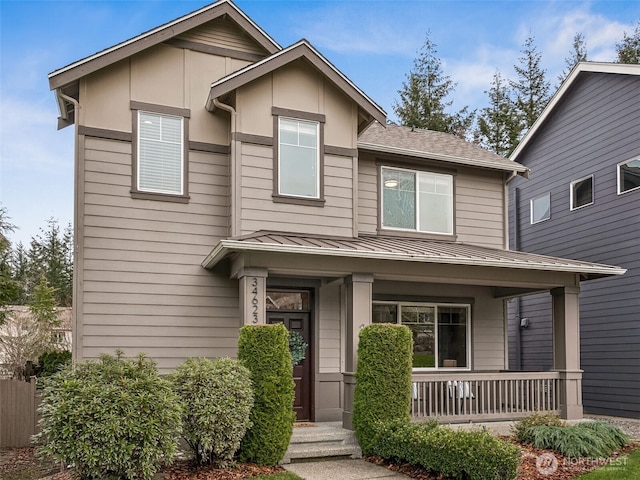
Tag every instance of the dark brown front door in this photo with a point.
(299, 322)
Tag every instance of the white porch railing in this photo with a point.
(471, 396)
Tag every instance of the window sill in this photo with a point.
(160, 197)
(409, 234)
(309, 202)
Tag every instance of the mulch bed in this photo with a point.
(535, 464)
(531, 467)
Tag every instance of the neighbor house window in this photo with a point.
(541, 208)
(160, 152)
(582, 192)
(416, 200)
(629, 175)
(298, 158)
(441, 332)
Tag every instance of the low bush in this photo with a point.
(115, 418)
(264, 350)
(521, 428)
(216, 401)
(587, 439)
(52, 362)
(474, 455)
(383, 379)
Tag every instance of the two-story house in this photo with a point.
(223, 180)
(582, 202)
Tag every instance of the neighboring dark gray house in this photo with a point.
(582, 202)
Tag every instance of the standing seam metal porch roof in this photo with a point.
(403, 249)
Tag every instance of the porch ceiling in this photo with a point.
(402, 249)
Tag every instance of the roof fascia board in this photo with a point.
(226, 246)
(474, 162)
(580, 67)
(301, 49)
(79, 69)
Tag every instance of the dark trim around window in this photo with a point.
(185, 113)
(278, 112)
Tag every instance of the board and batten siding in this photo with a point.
(259, 212)
(479, 204)
(142, 287)
(595, 127)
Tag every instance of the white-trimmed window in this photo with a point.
(629, 175)
(160, 154)
(582, 192)
(540, 208)
(298, 158)
(441, 332)
(417, 200)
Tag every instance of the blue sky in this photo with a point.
(372, 42)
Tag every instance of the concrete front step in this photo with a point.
(326, 440)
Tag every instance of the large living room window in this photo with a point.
(629, 175)
(441, 332)
(417, 201)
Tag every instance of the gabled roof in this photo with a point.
(404, 249)
(429, 144)
(579, 69)
(92, 63)
(300, 50)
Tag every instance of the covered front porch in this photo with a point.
(452, 296)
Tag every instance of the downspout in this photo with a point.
(75, 311)
(234, 208)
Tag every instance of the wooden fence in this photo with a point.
(18, 417)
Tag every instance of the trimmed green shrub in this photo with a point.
(383, 379)
(216, 401)
(115, 418)
(521, 428)
(264, 350)
(52, 362)
(587, 439)
(474, 455)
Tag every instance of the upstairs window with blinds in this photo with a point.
(160, 153)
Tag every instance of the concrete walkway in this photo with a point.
(343, 470)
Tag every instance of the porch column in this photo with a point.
(566, 350)
(253, 291)
(358, 288)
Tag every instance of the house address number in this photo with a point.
(255, 302)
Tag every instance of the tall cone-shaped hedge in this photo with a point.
(383, 379)
(264, 350)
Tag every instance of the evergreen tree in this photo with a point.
(531, 87)
(628, 49)
(9, 288)
(51, 255)
(423, 97)
(20, 271)
(578, 54)
(499, 125)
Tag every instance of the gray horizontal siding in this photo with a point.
(596, 126)
(143, 288)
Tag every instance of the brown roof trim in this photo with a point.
(301, 49)
(163, 33)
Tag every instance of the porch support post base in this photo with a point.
(571, 394)
(349, 388)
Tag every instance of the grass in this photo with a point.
(280, 476)
(626, 467)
